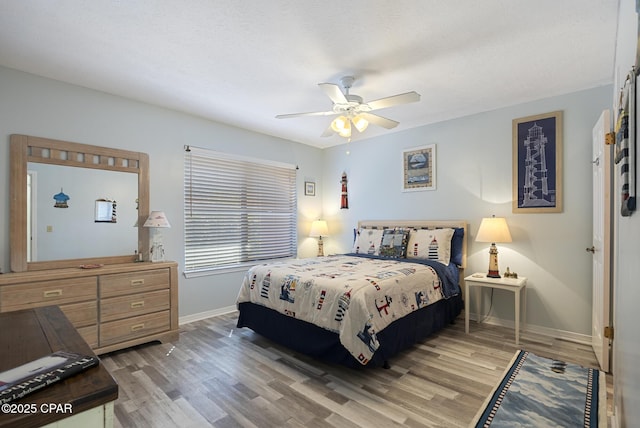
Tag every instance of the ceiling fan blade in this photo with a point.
(334, 92)
(379, 120)
(394, 100)
(328, 132)
(314, 113)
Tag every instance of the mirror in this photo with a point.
(71, 215)
(67, 180)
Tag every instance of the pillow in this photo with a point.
(432, 244)
(368, 241)
(394, 243)
(456, 245)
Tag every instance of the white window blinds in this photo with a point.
(237, 210)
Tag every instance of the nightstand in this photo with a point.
(516, 285)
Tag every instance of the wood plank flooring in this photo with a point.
(220, 376)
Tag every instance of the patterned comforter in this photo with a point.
(352, 295)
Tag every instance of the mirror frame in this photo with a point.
(25, 148)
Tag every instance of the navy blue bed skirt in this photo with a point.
(322, 344)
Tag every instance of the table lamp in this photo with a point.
(493, 229)
(318, 229)
(157, 220)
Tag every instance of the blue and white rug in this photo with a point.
(539, 392)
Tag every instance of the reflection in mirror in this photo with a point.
(105, 211)
(72, 232)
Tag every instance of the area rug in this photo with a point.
(539, 392)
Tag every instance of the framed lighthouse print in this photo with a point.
(419, 168)
(537, 163)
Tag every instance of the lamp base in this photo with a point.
(320, 247)
(493, 262)
(493, 274)
(156, 251)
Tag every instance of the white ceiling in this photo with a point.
(242, 62)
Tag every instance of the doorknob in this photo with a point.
(591, 249)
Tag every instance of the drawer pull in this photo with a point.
(52, 293)
(139, 304)
(137, 327)
(137, 281)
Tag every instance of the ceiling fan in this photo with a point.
(353, 110)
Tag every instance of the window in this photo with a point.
(238, 211)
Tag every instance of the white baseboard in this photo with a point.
(207, 314)
(544, 331)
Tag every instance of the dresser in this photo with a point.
(112, 306)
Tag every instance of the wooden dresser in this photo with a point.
(112, 307)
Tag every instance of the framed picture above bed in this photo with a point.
(419, 168)
(537, 164)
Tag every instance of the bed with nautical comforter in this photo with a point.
(398, 286)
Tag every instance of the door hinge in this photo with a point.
(608, 332)
(609, 138)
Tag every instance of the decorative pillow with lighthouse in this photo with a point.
(394, 243)
(367, 241)
(431, 244)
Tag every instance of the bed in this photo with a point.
(398, 285)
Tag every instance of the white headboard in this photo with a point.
(421, 224)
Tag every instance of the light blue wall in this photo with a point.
(473, 181)
(474, 157)
(42, 107)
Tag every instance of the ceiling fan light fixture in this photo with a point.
(360, 123)
(353, 111)
(340, 123)
(346, 131)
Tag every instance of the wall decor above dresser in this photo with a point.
(113, 300)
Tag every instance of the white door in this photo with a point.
(601, 249)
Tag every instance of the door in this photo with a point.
(601, 247)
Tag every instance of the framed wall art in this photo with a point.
(419, 168)
(309, 188)
(537, 163)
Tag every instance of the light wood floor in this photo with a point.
(221, 376)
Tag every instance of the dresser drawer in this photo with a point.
(55, 292)
(115, 308)
(90, 335)
(134, 282)
(81, 314)
(132, 328)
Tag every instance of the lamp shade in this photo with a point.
(360, 123)
(493, 229)
(319, 228)
(342, 125)
(157, 219)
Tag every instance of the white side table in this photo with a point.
(516, 285)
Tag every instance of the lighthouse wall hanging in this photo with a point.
(344, 197)
(537, 163)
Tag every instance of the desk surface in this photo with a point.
(33, 333)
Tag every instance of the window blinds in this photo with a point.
(238, 211)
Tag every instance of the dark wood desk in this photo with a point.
(33, 333)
